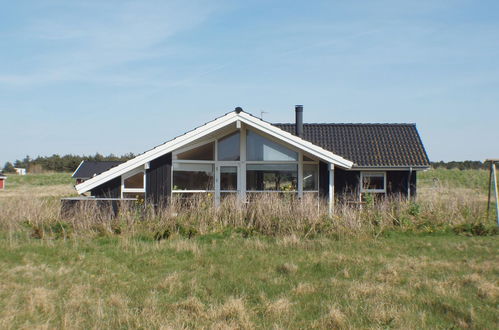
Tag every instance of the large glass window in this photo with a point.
(204, 152)
(192, 176)
(259, 148)
(310, 177)
(228, 147)
(373, 182)
(271, 177)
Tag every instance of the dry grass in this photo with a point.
(290, 220)
(274, 264)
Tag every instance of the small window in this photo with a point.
(204, 152)
(259, 148)
(308, 159)
(374, 182)
(135, 181)
(192, 176)
(228, 147)
(310, 177)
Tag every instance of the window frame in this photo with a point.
(372, 174)
(130, 174)
(243, 162)
(194, 162)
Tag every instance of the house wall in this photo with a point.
(347, 182)
(323, 180)
(2, 183)
(397, 182)
(158, 180)
(110, 189)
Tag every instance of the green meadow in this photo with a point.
(430, 264)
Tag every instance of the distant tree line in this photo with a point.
(69, 163)
(57, 163)
(462, 165)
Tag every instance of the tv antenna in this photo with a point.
(262, 113)
(493, 176)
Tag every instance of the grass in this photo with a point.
(43, 179)
(44, 185)
(394, 265)
(455, 178)
(226, 280)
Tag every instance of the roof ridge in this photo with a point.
(351, 124)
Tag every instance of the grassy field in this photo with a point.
(433, 264)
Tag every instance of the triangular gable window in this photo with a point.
(259, 148)
(204, 152)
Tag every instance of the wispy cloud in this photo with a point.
(112, 35)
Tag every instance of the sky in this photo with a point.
(82, 77)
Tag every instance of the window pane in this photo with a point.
(135, 181)
(204, 152)
(228, 178)
(228, 147)
(260, 148)
(310, 177)
(277, 177)
(192, 176)
(373, 182)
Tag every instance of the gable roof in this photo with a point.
(368, 145)
(88, 169)
(210, 127)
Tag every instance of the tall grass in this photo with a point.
(267, 214)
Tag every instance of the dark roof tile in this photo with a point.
(369, 145)
(89, 169)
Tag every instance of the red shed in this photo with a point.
(3, 178)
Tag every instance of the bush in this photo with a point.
(475, 229)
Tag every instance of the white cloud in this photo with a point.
(96, 41)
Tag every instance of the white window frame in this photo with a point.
(203, 162)
(130, 174)
(372, 174)
(242, 164)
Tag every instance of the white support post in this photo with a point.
(242, 157)
(496, 192)
(300, 174)
(331, 189)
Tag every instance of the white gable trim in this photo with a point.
(73, 175)
(204, 130)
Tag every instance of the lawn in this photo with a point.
(224, 280)
(406, 272)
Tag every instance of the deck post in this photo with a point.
(331, 190)
(495, 191)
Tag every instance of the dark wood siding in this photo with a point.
(323, 180)
(398, 181)
(110, 189)
(158, 180)
(346, 183)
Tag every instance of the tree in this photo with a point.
(9, 168)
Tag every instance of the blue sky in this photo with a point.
(123, 76)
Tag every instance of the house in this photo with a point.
(20, 171)
(240, 154)
(88, 169)
(3, 179)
